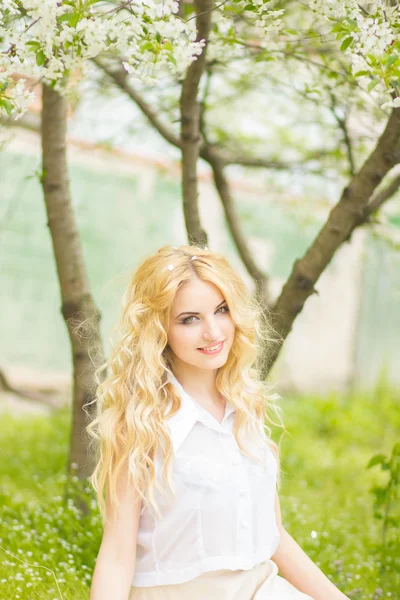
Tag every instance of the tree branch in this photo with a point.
(217, 159)
(342, 122)
(227, 158)
(190, 127)
(121, 79)
(26, 394)
(381, 197)
(346, 138)
(348, 214)
(222, 186)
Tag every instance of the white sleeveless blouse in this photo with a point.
(223, 515)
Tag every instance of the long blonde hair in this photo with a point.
(134, 398)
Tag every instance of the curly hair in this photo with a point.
(135, 397)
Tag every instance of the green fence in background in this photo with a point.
(119, 225)
(378, 332)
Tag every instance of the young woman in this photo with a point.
(185, 460)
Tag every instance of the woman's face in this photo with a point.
(201, 330)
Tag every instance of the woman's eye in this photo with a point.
(186, 321)
(225, 308)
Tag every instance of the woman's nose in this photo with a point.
(211, 331)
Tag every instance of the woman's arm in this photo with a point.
(295, 566)
(115, 564)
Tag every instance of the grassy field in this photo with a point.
(47, 549)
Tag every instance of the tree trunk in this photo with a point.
(78, 309)
(190, 128)
(349, 213)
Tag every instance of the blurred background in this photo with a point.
(126, 196)
(297, 182)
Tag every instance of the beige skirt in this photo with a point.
(262, 582)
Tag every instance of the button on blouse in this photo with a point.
(223, 514)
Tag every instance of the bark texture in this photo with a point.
(190, 127)
(81, 316)
(349, 213)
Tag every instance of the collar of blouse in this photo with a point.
(182, 422)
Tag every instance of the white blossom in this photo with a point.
(50, 40)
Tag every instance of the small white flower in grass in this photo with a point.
(314, 534)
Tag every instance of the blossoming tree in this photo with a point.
(338, 56)
(342, 57)
(48, 41)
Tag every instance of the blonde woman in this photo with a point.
(186, 473)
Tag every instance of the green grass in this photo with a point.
(325, 499)
(325, 493)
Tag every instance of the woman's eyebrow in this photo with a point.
(197, 313)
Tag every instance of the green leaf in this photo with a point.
(372, 84)
(362, 73)
(7, 105)
(250, 8)
(337, 28)
(168, 46)
(74, 22)
(391, 60)
(372, 60)
(34, 45)
(146, 46)
(3, 86)
(346, 43)
(376, 460)
(342, 34)
(353, 24)
(71, 18)
(40, 58)
(65, 17)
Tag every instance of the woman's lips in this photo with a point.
(217, 349)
